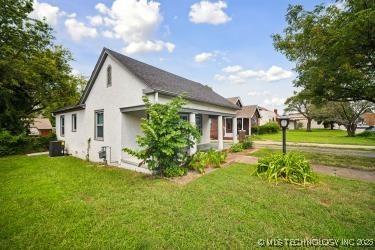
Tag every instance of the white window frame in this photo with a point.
(62, 125)
(96, 125)
(74, 122)
(225, 124)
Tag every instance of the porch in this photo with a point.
(202, 119)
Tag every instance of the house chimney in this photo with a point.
(275, 110)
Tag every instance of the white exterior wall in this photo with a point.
(266, 117)
(126, 90)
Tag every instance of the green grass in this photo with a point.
(319, 136)
(68, 203)
(356, 162)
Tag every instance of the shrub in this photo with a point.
(291, 167)
(268, 128)
(237, 147)
(201, 160)
(22, 143)
(367, 134)
(165, 136)
(174, 171)
(247, 142)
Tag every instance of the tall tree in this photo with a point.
(349, 114)
(300, 103)
(34, 73)
(333, 48)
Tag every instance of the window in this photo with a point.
(74, 122)
(198, 122)
(109, 76)
(228, 125)
(99, 125)
(62, 125)
(184, 117)
(239, 124)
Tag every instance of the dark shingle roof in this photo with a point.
(163, 81)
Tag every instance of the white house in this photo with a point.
(267, 115)
(110, 110)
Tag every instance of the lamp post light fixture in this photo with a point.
(284, 122)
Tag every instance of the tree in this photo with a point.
(35, 74)
(333, 48)
(300, 103)
(165, 136)
(349, 113)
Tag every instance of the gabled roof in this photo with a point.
(236, 101)
(159, 80)
(41, 123)
(247, 111)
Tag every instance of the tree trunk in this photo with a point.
(332, 125)
(309, 124)
(350, 129)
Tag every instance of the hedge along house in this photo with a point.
(246, 116)
(108, 116)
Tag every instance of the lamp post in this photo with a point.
(284, 122)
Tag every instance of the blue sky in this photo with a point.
(224, 44)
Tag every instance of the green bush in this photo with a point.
(268, 128)
(237, 147)
(22, 143)
(174, 171)
(247, 142)
(201, 160)
(370, 134)
(291, 167)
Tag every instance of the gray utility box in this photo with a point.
(103, 153)
(56, 148)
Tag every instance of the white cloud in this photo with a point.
(134, 22)
(45, 10)
(276, 101)
(232, 69)
(95, 20)
(102, 8)
(220, 77)
(258, 93)
(108, 34)
(78, 30)
(209, 12)
(148, 46)
(239, 75)
(202, 57)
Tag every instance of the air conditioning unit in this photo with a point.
(103, 153)
(56, 148)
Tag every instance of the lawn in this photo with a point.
(319, 136)
(357, 162)
(68, 203)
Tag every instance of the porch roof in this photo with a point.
(183, 110)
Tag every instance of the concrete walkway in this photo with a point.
(305, 144)
(355, 174)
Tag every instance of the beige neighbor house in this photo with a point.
(40, 127)
(247, 117)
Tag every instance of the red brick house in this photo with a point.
(247, 117)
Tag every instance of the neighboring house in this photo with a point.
(368, 119)
(298, 121)
(108, 115)
(247, 117)
(40, 127)
(267, 116)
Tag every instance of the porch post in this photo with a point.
(193, 149)
(220, 145)
(234, 129)
(249, 125)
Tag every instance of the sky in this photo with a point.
(224, 44)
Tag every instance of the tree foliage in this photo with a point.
(334, 49)
(35, 75)
(302, 104)
(166, 137)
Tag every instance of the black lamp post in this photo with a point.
(284, 122)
